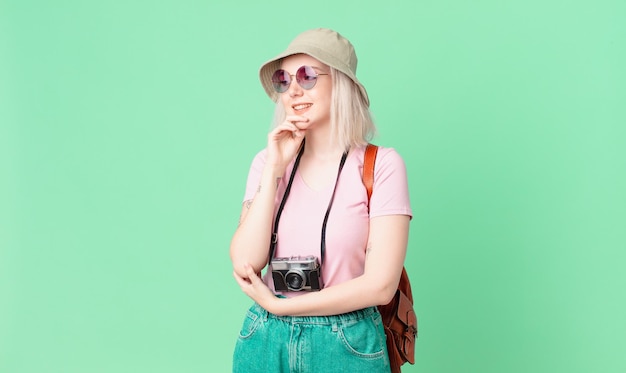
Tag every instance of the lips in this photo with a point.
(301, 107)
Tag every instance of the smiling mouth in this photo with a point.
(300, 107)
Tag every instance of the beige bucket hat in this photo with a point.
(325, 45)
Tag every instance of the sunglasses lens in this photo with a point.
(281, 81)
(306, 77)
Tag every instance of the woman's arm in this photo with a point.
(386, 251)
(250, 243)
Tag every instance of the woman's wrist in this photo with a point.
(272, 305)
(271, 176)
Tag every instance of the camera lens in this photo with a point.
(295, 280)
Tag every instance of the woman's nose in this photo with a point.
(294, 89)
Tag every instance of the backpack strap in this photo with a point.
(368, 169)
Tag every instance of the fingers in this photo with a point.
(253, 286)
(292, 124)
(286, 132)
(240, 280)
(284, 141)
(297, 120)
(252, 278)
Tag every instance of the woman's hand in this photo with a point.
(256, 289)
(284, 141)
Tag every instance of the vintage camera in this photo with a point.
(297, 273)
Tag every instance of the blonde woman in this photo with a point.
(331, 254)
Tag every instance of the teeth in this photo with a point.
(302, 106)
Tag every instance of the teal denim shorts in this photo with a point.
(350, 342)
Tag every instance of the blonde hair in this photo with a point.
(351, 121)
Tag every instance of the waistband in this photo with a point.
(349, 317)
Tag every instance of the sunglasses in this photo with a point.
(306, 77)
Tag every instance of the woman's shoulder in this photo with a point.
(384, 155)
(260, 156)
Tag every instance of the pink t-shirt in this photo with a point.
(300, 226)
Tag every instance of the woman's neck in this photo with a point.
(319, 145)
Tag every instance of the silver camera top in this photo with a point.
(295, 262)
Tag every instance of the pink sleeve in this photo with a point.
(254, 175)
(390, 194)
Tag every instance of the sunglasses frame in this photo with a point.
(302, 77)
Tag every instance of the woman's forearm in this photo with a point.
(355, 294)
(250, 243)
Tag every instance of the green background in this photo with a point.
(127, 129)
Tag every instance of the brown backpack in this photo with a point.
(398, 316)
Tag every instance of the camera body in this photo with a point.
(297, 273)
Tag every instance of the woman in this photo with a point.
(334, 255)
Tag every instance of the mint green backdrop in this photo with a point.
(127, 128)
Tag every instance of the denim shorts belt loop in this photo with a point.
(308, 344)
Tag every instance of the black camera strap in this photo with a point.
(274, 239)
(330, 204)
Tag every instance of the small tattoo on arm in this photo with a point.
(247, 205)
